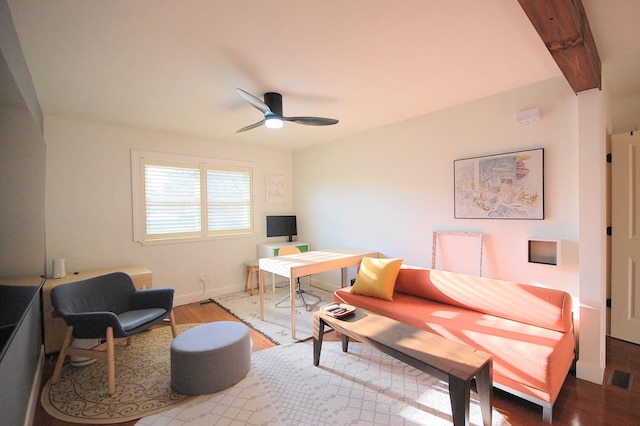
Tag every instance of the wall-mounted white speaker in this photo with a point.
(528, 115)
(58, 268)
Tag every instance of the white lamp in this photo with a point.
(273, 122)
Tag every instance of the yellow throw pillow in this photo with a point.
(377, 277)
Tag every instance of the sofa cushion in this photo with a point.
(539, 306)
(532, 359)
(377, 277)
(133, 319)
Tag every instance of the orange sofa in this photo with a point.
(527, 329)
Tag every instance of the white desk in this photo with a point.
(273, 249)
(309, 263)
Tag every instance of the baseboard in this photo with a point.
(35, 390)
(324, 285)
(590, 372)
(199, 296)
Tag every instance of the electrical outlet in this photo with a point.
(204, 277)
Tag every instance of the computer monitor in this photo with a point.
(282, 226)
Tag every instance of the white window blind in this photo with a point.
(189, 198)
(228, 201)
(172, 200)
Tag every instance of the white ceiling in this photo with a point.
(173, 65)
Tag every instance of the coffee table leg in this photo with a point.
(485, 390)
(345, 343)
(460, 395)
(318, 333)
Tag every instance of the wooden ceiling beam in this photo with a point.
(564, 28)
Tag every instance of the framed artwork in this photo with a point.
(502, 186)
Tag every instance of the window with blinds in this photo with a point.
(228, 200)
(183, 198)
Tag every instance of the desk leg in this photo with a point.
(460, 396)
(485, 390)
(292, 293)
(261, 291)
(318, 333)
(343, 276)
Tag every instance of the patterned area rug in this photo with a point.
(363, 386)
(143, 384)
(277, 320)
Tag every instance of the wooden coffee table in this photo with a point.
(456, 363)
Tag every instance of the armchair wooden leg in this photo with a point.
(61, 356)
(129, 340)
(111, 361)
(172, 321)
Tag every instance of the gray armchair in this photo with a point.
(107, 307)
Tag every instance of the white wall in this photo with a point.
(89, 216)
(627, 113)
(389, 189)
(593, 240)
(22, 191)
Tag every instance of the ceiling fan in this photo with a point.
(272, 110)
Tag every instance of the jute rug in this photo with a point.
(277, 322)
(143, 384)
(361, 387)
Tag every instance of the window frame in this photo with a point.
(140, 158)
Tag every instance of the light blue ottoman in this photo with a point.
(210, 357)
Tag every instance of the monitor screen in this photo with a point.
(281, 226)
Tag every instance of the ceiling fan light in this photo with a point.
(274, 123)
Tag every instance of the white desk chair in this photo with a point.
(299, 291)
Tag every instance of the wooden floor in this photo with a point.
(579, 403)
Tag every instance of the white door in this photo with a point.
(625, 243)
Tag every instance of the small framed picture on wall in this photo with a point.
(275, 189)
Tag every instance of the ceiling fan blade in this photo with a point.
(250, 126)
(254, 101)
(312, 121)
